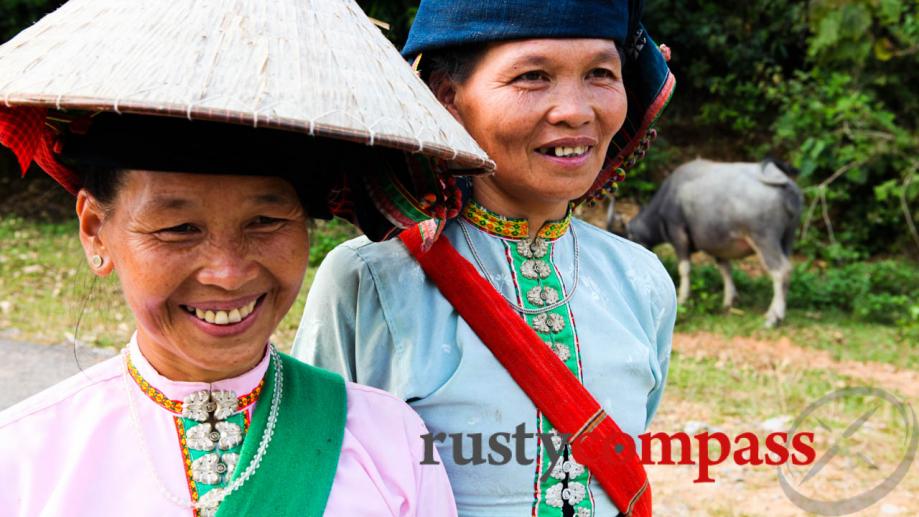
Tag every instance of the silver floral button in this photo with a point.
(561, 350)
(194, 406)
(554, 496)
(231, 460)
(225, 403)
(567, 468)
(204, 469)
(548, 323)
(536, 248)
(574, 494)
(229, 435)
(542, 295)
(534, 269)
(199, 437)
(198, 406)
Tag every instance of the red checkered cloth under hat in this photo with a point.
(23, 130)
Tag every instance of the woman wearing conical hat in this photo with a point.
(199, 138)
(562, 97)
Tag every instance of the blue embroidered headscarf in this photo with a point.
(441, 24)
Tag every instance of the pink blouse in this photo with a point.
(74, 450)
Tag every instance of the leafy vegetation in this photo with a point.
(864, 311)
(885, 291)
(325, 235)
(828, 84)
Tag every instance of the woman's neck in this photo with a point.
(175, 365)
(536, 212)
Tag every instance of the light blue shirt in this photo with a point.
(373, 316)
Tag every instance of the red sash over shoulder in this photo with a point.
(596, 440)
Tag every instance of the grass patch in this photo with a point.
(843, 336)
(738, 391)
(739, 398)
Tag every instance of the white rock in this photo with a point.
(694, 427)
(776, 424)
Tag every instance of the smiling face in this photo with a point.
(208, 264)
(545, 110)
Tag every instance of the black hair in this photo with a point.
(102, 182)
(116, 144)
(326, 173)
(456, 63)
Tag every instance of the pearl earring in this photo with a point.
(97, 261)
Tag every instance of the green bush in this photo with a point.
(885, 291)
(325, 235)
(827, 84)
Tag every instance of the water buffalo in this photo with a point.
(728, 210)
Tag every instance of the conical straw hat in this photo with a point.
(316, 66)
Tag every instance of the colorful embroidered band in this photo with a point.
(511, 227)
(175, 406)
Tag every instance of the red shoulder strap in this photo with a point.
(596, 440)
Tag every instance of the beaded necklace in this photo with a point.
(529, 249)
(209, 503)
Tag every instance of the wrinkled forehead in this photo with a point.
(538, 51)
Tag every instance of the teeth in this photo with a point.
(222, 317)
(567, 151)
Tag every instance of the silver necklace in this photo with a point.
(209, 503)
(518, 308)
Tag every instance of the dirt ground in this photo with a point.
(741, 491)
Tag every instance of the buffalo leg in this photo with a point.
(684, 268)
(679, 239)
(730, 292)
(779, 267)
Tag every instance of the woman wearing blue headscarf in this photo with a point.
(562, 96)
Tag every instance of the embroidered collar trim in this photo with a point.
(512, 227)
(177, 406)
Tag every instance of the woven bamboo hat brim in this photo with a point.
(314, 66)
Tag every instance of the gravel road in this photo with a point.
(26, 368)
